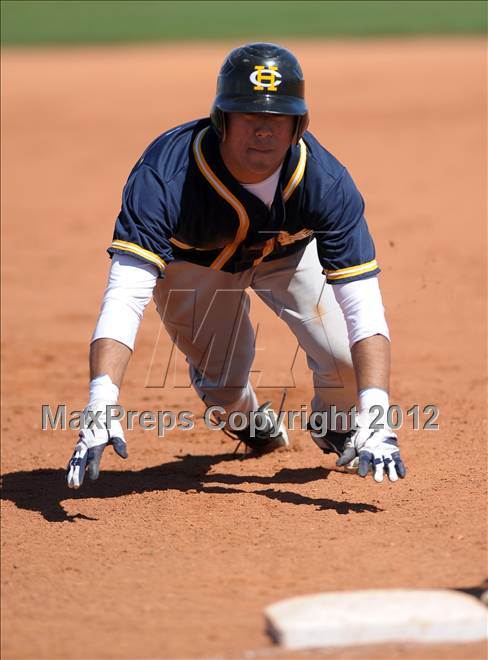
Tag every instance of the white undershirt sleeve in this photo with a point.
(129, 289)
(363, 309)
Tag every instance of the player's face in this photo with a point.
(256, 144)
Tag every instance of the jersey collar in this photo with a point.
(245, 204)
(206, 145)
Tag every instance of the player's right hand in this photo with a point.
(92, 440)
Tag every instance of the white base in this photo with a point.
(377, 616)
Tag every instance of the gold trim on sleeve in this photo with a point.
(351, 271)
(139, 251)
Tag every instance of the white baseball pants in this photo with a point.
(206, 313)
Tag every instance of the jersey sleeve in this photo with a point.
(345, 247)
(144, 225)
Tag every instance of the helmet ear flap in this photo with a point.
(217, 118)
(301, 127)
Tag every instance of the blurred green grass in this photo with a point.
(36, 22)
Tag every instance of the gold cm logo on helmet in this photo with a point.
(265, 78)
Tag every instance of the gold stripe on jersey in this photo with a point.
(285, 238)
(187, 246)
(297, 175)
(351, 271)
(139, 251)
(180, 244)
(224, 192)
(269, 246)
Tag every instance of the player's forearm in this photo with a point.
(371, 360)
(128, 291)
(109, 357)
(368, 334)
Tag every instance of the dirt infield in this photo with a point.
(175, 552)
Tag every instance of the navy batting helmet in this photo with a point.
(260, 77)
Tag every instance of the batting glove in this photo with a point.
(374, 449)
(92, 441)
(96, 432)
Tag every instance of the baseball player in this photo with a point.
(248, 198)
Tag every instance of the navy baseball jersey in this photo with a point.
(181, 202)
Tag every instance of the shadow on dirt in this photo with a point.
(44, 490)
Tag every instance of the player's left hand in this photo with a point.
(376, 450)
